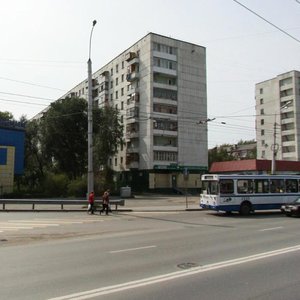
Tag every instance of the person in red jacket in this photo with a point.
(91, 206)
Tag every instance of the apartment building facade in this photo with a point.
(159, 87)
(277, 117)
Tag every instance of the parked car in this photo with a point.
(292, 209)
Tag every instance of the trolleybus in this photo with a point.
(247, 193)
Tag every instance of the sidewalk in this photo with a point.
(156, 202)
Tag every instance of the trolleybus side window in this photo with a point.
(245, 186)
(277, 186)
(261, 186)
(291, 185)
(226, 186)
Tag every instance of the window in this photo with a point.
(165, 94)
(262, 112)
(226, 186)
(117, 81)
(121, 160)
(122, 105)
(262, 122)
(122, 77)
(111, 72)
(261, 90)
(245, 186)
(111, 97)
(261, 101)
(117, 95)
(262, 132)
(164, 63)
(116, 162)
(122, 64)
(277, 185)
(291, 186)
(117, 68)
(261, 186)
(111, 84)
(122, 91)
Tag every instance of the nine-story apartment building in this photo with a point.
(159, 87)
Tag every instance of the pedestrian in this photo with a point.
(91, 206)
(105, 206)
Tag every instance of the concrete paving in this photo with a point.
(140, 202)
(156, 202)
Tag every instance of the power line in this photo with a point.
(27, 96)
(33, 84)
(272, 24)
(23, 102)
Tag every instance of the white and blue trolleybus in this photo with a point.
(247, 193)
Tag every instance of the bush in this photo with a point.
(56, 185)
(77, 187)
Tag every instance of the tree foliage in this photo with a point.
(6, 116)
(64, 135)
(56, 144)
(108, 136)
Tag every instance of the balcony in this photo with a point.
(132, 113)
(165, 71)
(164, 132)
(133, 100)
(165, 148)
(287, 120)
(95, 83)
(130, 56)
(131, 135)
(132, 76)
(132, 160)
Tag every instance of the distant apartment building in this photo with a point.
(159, 87)
(277, 117)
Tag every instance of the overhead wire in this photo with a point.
(269, 22)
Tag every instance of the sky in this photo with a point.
(44, 49)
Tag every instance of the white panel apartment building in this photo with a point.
(159, 86)
(277, 107)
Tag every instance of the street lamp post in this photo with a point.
(275, 145)
(90, 175)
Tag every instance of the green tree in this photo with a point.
(35, 161)
(220, 153)
(64, 135)
(6, 116)
(108, 134)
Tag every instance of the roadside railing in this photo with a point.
(60, 202)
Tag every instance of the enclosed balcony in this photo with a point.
(133, 100)
(132, 131)
(132, 160)
(132, 72)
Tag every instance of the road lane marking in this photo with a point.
(15, 227)
(174, 275)
(30, 223)
(269, 229)
(132, 249)
(42, 223)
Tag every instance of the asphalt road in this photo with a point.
(148, 253)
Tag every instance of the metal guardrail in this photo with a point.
(60, 202)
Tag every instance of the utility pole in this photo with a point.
(90, 175)
(275, 146)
